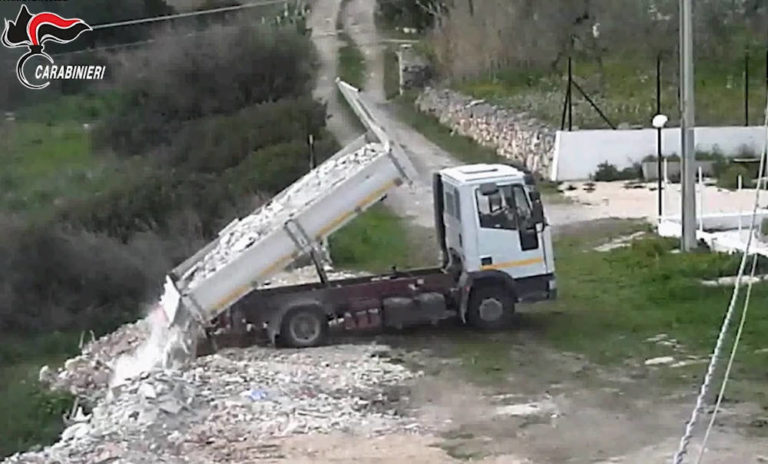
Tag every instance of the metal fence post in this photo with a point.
(570, 94)
(746, 88)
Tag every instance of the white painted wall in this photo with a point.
(577, 154)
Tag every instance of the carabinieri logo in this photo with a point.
(33, 31)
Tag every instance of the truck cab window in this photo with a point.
(522, 206)
(495, 210)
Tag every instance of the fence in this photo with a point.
(727, 93)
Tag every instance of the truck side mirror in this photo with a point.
(537, 209)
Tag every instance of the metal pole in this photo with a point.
(740, 210)
(311, 152)
(658, 133)
(658, 168)
(701, 200)
(570, 94)
(688, 178)
(746, 88)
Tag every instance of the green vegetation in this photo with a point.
(351, 62)
(610, 303)
(391, 73)
(627, 91)
(351, 69)
(376, 241)
(607, 172)
(29, 414)
(730, 177)
(461, 147)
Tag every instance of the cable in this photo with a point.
(185, 15)
(689, 426)
(742, 323)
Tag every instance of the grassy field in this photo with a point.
(351, 62)
(47, 154)
(378, 240)
(30, 415)
(461, 147)
(391, 73)
(351, 69)
(610, 303)
(629, 91)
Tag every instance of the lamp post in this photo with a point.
(659, 121)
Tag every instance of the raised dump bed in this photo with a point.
(251, 250)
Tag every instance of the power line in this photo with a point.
(186, 15)
(160, 18)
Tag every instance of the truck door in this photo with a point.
(507, 238)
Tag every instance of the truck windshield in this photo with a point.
(507, 208)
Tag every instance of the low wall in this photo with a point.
(514, 135)
(577, 154)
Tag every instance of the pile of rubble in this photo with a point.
(515, 135)
(226, 407)
(87, 375)
(244, 233)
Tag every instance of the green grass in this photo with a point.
(376, 241)
(351, 62)
(351, 69)
(29, 414)
(82, 108)
(47, 155)
(609, 303)
(461, 147)
(629, 92)
(391, 73)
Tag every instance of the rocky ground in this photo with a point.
(224, 407)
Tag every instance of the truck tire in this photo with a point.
(490, 307)
(304, 327)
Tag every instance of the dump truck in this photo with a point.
(494, 241)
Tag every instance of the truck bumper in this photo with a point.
(537, 288)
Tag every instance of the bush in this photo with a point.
(607, 172)
(219, 72)
(729, 178)
(66, 279)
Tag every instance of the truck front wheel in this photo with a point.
(490, 307)
(304, 327)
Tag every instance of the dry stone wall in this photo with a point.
(515, 135)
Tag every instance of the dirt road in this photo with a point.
(553, 407)
(322, 21)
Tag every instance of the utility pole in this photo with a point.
(687, 125)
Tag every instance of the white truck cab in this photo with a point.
(494, 230)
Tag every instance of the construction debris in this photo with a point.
(244, 233)
(87, 375)
(659, 361)
(222, 408)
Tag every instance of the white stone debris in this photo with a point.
(620, 242)
(244, 233)
(225, 407)
(87, 375)
(659, 361)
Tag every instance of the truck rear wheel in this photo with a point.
(304, 327)
(491, 307)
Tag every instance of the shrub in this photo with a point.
(607, 172)
(59, 278)
(225, 69)
(730, 177)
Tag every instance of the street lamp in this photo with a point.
(659, 121)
